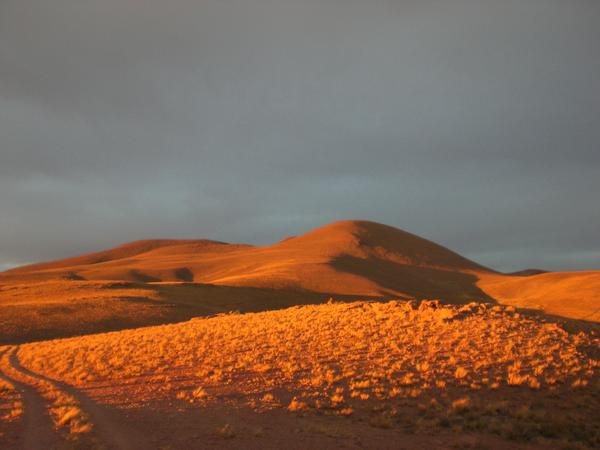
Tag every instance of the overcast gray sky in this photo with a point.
(474, 123)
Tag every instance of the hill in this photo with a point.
(357, 371)
(348, 258)
(575, 295)
(356, 375)
(161, 281)
(527, 272)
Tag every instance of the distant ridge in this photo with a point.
(354, 257)
(528, 272)
(169, 280)
(365, 239)
(120, 252)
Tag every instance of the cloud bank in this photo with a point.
(473, 123)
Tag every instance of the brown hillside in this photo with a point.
(349, 257)
(121, 252)
(567, 294)
(161, 281)
(527, 272)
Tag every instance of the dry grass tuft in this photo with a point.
(226, 431)
(65, 410)
(461, 404)
(342, 358)
(297, 405)
(11, 405)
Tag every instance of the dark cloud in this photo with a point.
(470, 122)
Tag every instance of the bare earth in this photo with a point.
(165, 281)
(218, 345)
(335, 375)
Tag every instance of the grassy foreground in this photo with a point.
(399, 366)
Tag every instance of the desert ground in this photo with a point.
(353, 335)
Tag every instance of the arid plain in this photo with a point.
(353, 335)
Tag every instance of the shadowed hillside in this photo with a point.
(349, 258)
(55, 309)
(161, 281)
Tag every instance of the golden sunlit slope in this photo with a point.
(568, 294)
(424, 368)
(65, 268)
(59, 308)
(348, 257)
(172, 280)
(388, 342)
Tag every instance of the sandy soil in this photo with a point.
(165, 281)
(359, 375)
(495, 366)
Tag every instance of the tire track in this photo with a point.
(107, 431)
(38, 432)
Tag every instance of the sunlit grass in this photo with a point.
(11, 404)
(340, 359)
(371, 347)
(65, 411)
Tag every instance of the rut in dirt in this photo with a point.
(38, 429)
(107, 429)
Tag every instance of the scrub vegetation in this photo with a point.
(418, 367)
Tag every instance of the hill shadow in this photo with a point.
(184, 274)
(163, 303)
(414, 281)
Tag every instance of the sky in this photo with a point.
(473, 123)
